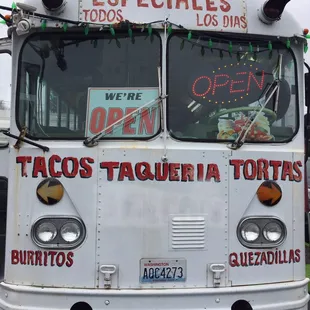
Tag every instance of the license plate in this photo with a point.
(162, 270)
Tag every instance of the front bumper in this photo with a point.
(280, 296)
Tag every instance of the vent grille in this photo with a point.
(188, 233)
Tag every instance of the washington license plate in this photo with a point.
(162, 270)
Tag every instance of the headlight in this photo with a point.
(250, 232)
(261, 232)
(70, 232)
(58, 232)
(272, 232)
(46, 232)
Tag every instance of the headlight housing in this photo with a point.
(58, 232)
(261, 232)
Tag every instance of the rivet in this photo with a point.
(217, 300)
(107, 302)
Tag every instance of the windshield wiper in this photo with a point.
(93, 141)
(240, 140)
(21, 138)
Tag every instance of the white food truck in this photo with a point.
(155, 157)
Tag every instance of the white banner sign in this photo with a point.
(214, 15)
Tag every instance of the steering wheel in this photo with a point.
(269, 113)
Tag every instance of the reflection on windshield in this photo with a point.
(212, 97)
(72, 86)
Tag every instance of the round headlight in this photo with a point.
(272, 232)
(70, 232)
(250, 232)
(46, 232)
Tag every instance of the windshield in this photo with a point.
(212, 92)
(74, 86)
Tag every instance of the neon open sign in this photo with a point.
(230, 84)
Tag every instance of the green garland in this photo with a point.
(130, 26)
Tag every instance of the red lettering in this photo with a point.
(52, 254)
(251, 258)
(14, 257)
(119, 17)
(143, 171)
(237, 163)
(86, 15)
(161, 171)
(225, 6)
(110, 166)
(60, 259)
(98, 3)
(111, 17)
(257, 254)
(30, 260)
(287, 171)
(244, 22)
(215, 85)
(87, 170)
(250, 169)
(213, 172)
(297, 256)
(127, 130)
(211, 6)
(51, 165)
(196, 7)
(263, 258)
(233, 260)
(147, 123)
(45, 258)
(262, 167)
(244, 259)
(270, 257)
(38, 255)
(156, 5)
(23, 160)
(116, 2)
(74, 168)
(276, 165)
(259, 84)
(187, 173)
(126, 171)
(173, 172)
(102, 18)
(179, 2)
(142, 4)
(93, 15)
(195, 85)
(237, 82)
(200, 172)
(39, 166)
(296, 165)
(114, 115)
(69, 262)
(23, 257)
(97, 120)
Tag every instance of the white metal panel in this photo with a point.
(243, 202)
(24, 208)
(135, 218)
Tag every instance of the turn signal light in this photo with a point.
(272, 10)
(53, 5)
(269, 193)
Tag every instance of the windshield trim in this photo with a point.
(79, 34)
(275, 43)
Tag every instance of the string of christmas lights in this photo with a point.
(130, 26)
